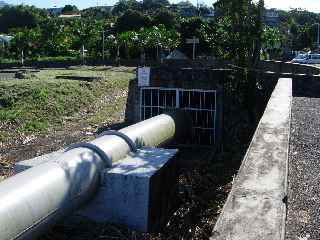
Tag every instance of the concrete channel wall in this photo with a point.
(256, 206)
(287, 67)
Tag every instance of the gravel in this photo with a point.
(303, 216)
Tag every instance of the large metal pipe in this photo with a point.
(33, 200)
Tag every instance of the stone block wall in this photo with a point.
(240, 104)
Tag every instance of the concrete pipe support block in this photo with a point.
(140, 191)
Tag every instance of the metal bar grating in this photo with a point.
(201, 104)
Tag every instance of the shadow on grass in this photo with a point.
(78, 78)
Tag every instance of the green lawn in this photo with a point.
(47, 98)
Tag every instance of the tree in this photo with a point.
(194, 27)
(20, 17)
(127, 40)
(132, 20)
(168, 39)
(88, 35)
(111, 43)
(166, 18)
(124, 5)
(95, 13)
(69, 9)
(242, 19)
(57, 37)
(26, 41)
(271, 41)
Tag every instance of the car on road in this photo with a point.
(313, 59)
(310, 58)
(300, 58)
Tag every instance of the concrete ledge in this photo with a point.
(139, 191)
(255, 208)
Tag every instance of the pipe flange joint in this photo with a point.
(94, 148)
(128, 140)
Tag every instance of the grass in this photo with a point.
(43, 102)
(40, 59)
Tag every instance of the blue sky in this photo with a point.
(311, 5)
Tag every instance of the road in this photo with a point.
(303, 217)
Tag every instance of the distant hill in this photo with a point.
(2, 4)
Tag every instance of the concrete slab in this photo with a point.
(139, 191)
(255, 208)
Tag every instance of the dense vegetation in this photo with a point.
(132, 28)
(154, 28)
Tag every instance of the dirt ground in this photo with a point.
(106, 112)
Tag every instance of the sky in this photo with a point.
(311, 5)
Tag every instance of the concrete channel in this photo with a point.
(256, 208)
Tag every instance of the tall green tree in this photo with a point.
(132, 20)
(26, 42)
(165, 17)
(242, 19)
(272, 41)
(69, 9)
(20, 17)
(124, 5)
(57, 37)
(194, 27)
(88, 35)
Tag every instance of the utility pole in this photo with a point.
(198, 8)
(22, 57)
(194, 49)
(193, 41)
(103, 43)
(318, 35)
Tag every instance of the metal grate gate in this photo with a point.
(201, 104)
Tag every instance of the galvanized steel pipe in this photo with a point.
(33, 200)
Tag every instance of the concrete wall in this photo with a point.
(185, 78)
(285, 67)
(170, 77)
(255, 208)
(236, 97)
